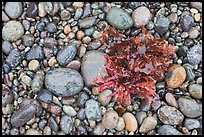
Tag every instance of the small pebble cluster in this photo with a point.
(51, 54)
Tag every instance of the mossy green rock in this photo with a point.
(119, 18)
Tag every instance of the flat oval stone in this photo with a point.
(32, 131)
(190, 123)
(176, 75)
(189, 107)
(110, 119)
(130, 122)
(186, 22)
(12, 31)
(66, 55)
(7, 97)
(87, 22)
(170, 115)
(64, 81)
(141, 16)
(92, 110)
(195, 91)
(23, 115)
(121, 124)
(148, 124)
(102, 97)
(93, 64)
(119, 18)
(66, 124)
(168, 130)
(14, 58)
(13, 9)
(170, 99)
(38, 81)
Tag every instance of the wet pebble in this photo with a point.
(92, 110)
(47, 130)
(141, 16)
(91, 68)
(13, 9)
(94, 45)
(70, 111)
(82, 98)
(99, 129)
(176, 75)
(120, 125)
(131, 124)
(168, 130)
(65, 15)
(195, 91)
(170, 99)
(32, 131)
(66, 55)
(7, 97)
(189, 107)
(51, 27)
(45, 96)
(64, 81)
(35, 53)
(170, 115)
(66, 124)
(32, 10)
(6, 47)
(191, 123)
(189, 71)
(87, 22)
(148, 124)
(193, 33)
(54, 109)
(103, 97)
(23, 115)
(33, 65)
(14, 58)
(75, 64)
(12, 31)
(194, 54)
(162, 24)
(186, 22)
(119, 18)
(54, 126)
(28, 40)
(48, 7)
(38, 81)
(110, 119)
(81, 114)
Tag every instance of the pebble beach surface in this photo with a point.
(51, 54)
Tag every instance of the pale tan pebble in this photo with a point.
(194, 132)
(148, 124)
(78, 4)
(121, 124)
(11, 76)
(110, 119)
(32, 131)
(66, 40)
(67, 29)
(52, 61)
(47, 130)
(32, 29)
(130, 122)
(92, 123)
(41, 9)
(30, 122)
(33, 65)
(194, 11)
(197, 17)
(94, 91)
(80, 34)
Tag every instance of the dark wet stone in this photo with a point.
(64, 81)
(66, 55)
(45, 96)
(51, 27)
(28, 40)
(7, 97)
(94, 45)
(50, 42)
(35, 53)
(162, 25)
(23, 115)
(187, 22)
(32, 10)
(82, 98)
(54, 126)
(14, 58)
(6, 47)
(81, 114)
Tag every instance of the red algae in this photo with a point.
(135, 66)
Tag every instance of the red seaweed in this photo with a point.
(137, 64)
